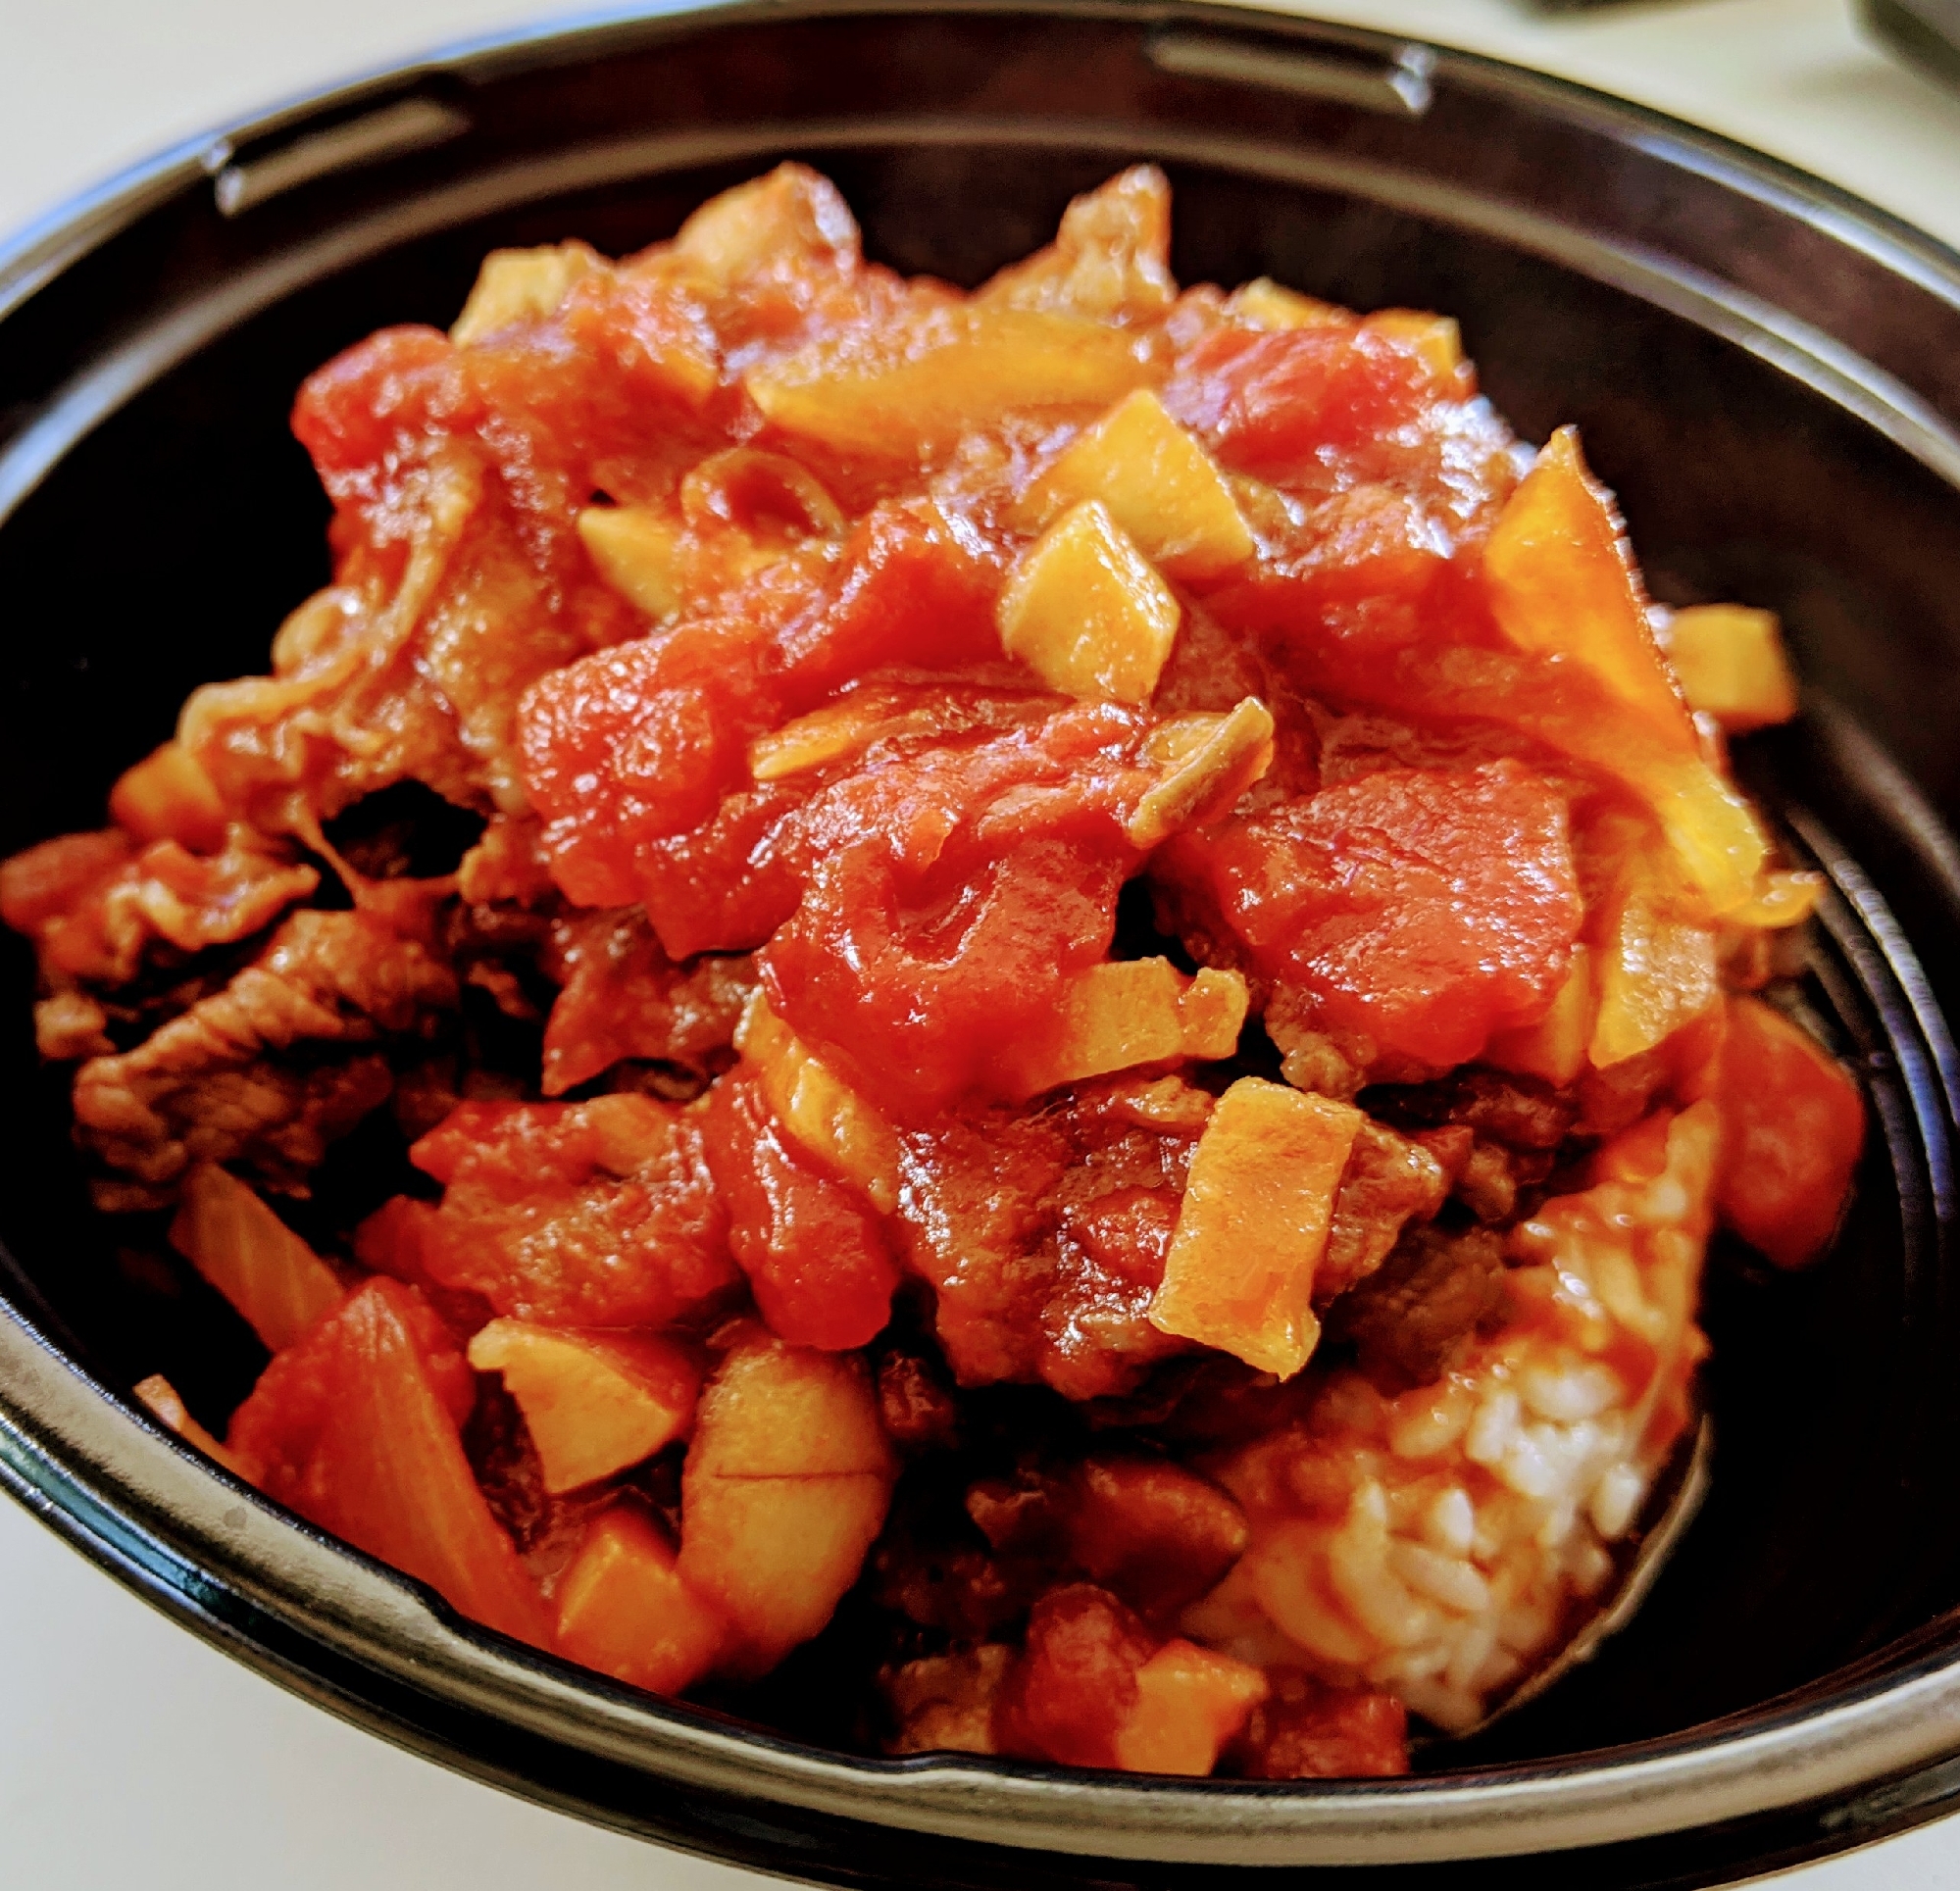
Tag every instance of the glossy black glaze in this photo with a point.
(1768, 376)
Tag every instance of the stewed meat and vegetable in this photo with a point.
(1004, 1022)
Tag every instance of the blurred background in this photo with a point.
(87, 86)
(131, 1755)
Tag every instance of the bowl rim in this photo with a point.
(323, 1618)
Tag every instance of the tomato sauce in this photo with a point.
(1105, 989)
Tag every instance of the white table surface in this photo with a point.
(132, 1756)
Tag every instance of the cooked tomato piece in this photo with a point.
(947, 894)
(1308, 1730)
(651, 332)
(1371, 542)
(912, 593)
(1269, 403)
(390, 1242)
(725, 885)
(1076, 1683)
(603, 389)
(1424, 907)
(279, 1424)
(598, 1213)
(355, 1425)
(633, 744)
(1792, 1129)
(817, 1256)
(640, 745)
(1044, 1234)
(394, 388)
(910, 981)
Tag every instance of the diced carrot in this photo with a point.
(1792, 1127)
(594, 1402)
(1555, 1047)
(624, 1609)
(911, 388)
(1087, 612)
(1784, 898)
(635, 549)
(1254, 1224)
(1436, 337)
(1263, 303)
(1129, 1011)
(824, 1115)
(1731, 664)
(1159, 485)
(1189, 1703)
(785, 1486)
(520, 285)
(1109, 259)
(780, 1410)
(789, 217)
(251, 1256)
(1659, 975)
(1562, 585)
(775, 1555)
(1657, 962)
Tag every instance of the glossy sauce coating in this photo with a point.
(1096, 1006)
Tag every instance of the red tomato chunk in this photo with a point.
(598, 1213)
(1426, 909)
(817, 1259)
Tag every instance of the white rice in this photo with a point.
(1445, 1544)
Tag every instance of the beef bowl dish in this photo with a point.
(1004, 997)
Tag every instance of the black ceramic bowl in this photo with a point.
(1767, 373)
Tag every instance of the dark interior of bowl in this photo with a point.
(163, 548)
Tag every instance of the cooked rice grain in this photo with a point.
(1442, 1544)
